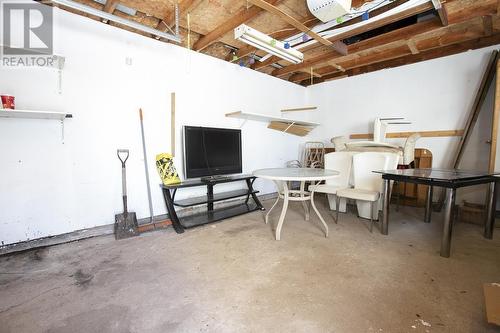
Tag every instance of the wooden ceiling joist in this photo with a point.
(241, 17)
(185, 6)
(456, 14)
(376, 24)
(290, 20)
(109, 7)
(443, 16)
(414, 58)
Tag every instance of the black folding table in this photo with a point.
(451, 180)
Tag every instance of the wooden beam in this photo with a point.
(398, 135)
(290, 20)
(451, 35)
(488, 25)
(494, 123)
(310, 22)
(239, 18)
(481, 93)
(412, 58)
(329, 55)
(185, 6)
(443, 16)
(109, 7)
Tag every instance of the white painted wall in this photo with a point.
(433, 95)
(49, 188)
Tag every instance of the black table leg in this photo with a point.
(448, 222)
(428, 204)
(385, 210)
(489, 224)
(254, 196)
(171, 212)
(210, 197)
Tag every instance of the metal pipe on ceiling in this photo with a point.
(117, 19)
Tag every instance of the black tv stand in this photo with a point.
(210, 214)
(210, 179)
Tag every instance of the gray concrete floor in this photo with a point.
(234, 277)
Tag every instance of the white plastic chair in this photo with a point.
(391, 163)
(341, 162)
(367, 184)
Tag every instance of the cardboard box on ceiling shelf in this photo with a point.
(492, 300)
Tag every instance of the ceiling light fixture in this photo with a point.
(266, 43)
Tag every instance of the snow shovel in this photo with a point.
(125, 223)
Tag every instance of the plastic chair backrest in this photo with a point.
(341, 162)
(391, 162)
(409, 149)
(364, 164)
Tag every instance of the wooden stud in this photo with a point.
(494, 123)
(398, 135)
(172, 123)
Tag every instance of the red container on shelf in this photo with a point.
(8, 102)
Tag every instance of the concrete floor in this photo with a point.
(234, 277)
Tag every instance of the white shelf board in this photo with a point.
(262, 117)
(31, 114)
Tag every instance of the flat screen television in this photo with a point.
(211, 151)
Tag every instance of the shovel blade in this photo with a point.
(126, 225)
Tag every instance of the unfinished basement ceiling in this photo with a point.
(427, 30)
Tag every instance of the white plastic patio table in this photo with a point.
(281, 176)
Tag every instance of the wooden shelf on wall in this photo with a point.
(396, 135)
(31, 114)
(290, 126)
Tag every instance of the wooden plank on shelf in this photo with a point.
(266, 118)
(289, 128)
(306, 108)
(396, 135)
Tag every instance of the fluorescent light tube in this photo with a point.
(266, 43)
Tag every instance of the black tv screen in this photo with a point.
(211, 151)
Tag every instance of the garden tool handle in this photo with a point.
(124, 175)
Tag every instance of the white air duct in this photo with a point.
(328, 10)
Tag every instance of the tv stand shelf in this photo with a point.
(210, 214)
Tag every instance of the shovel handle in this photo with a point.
(123, 151)
(124, 175)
